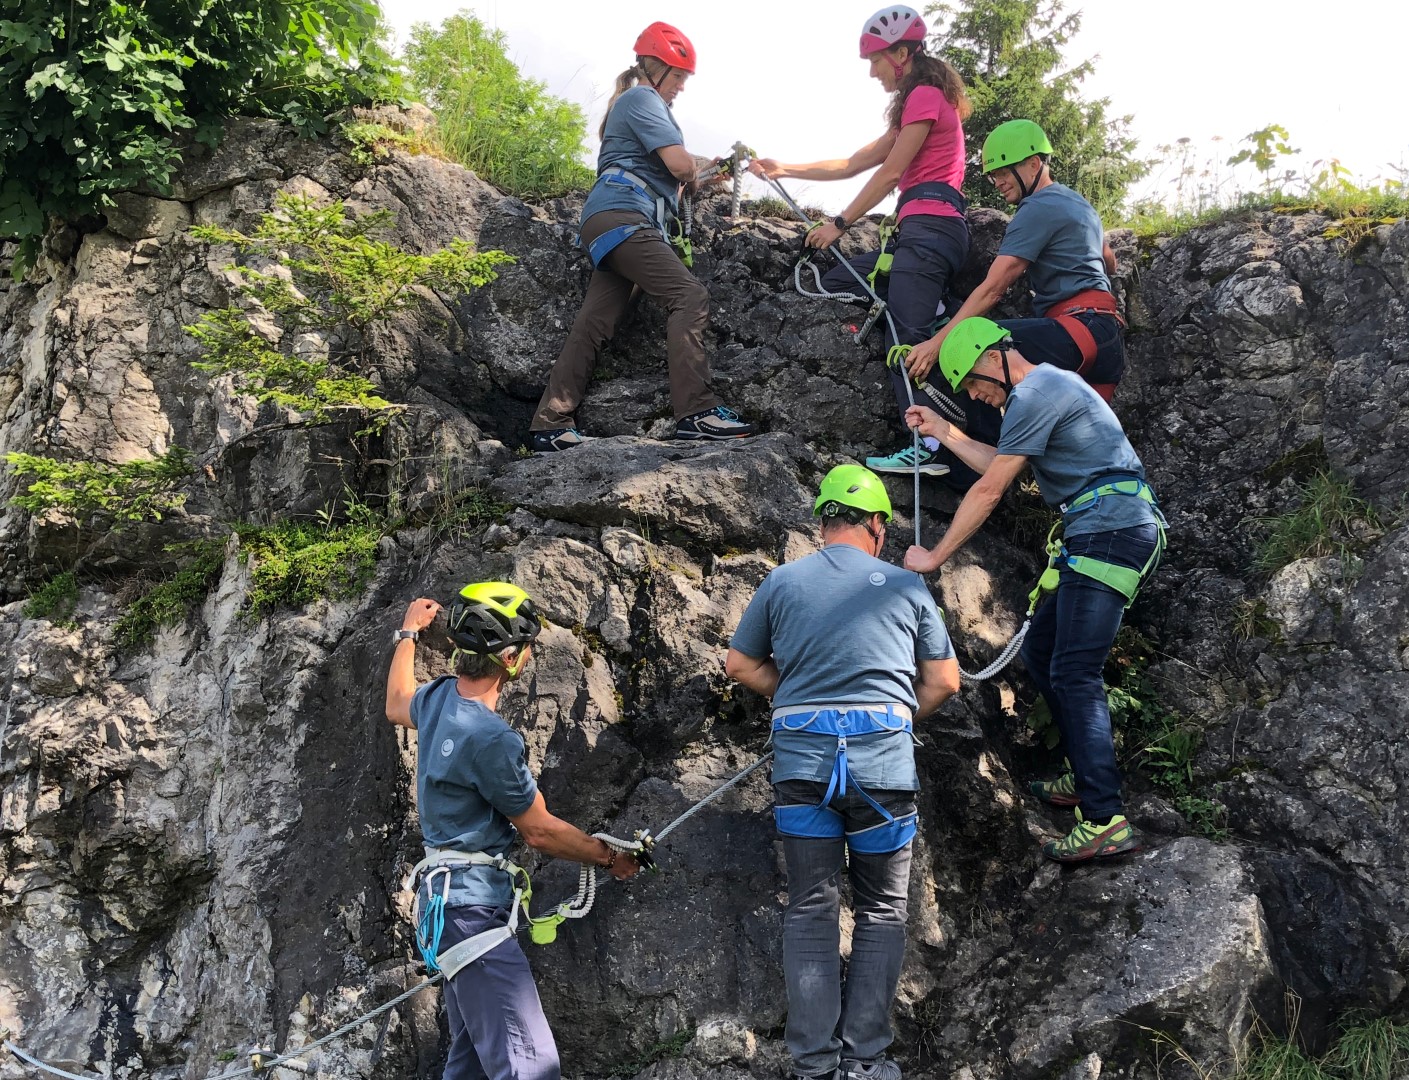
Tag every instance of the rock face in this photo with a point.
(203, 840)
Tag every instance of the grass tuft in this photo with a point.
(55, 600)
(1331, 520)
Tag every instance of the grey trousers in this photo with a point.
(644, 259)
(497, 1027)
(829, 1021)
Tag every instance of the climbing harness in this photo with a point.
(261, 1063)
(1065, 312)
(820, 821)
(659, 213)
(1122, 579)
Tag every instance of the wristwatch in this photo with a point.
(840, 222)
(405, 635)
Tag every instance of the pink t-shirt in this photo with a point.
(941, 156)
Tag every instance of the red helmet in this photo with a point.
(890, 26)
(668, 45)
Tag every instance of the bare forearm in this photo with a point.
(978, 504)
(401, 683)
(976, 455)
(563, 840)
(881, 184)
(938, 682)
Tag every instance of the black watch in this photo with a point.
(405, 635)
(841, 223)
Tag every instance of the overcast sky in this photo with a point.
(785, 77)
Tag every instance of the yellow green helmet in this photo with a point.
(852, 487)
(491, 616)
(1012, 142)
(965, 345)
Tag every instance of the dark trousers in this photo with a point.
(643, 259)
(928, 252)
(1043, 341)
(497, 1027)
(829, 1021)
(1065, 651)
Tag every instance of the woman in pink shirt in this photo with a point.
(922, 154)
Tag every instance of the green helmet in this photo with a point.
(966, 343)
(1012, 142)
(491, 616)
(851, 486)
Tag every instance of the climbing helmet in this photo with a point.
(851, 487)
(667, 45)
(965, 345)
(890, 26)
(1012, 142)
(491, 616)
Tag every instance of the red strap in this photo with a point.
(1105, 389)
(1064, 314)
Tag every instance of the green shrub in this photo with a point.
(1331, 520)
(371, 141)
(294, 563)
(101, 90)
(492, 119)
(170, 601)
(330, 274)
(131, 492)
(55, 599)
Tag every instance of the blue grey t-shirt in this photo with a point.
(1072, 438)
(471, 778)
(844, 628)
(1059, 233)
(638, 125)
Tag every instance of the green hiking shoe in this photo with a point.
(1092, 841)
(1058, 792)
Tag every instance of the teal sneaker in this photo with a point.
(903, 461)
(1092, 841)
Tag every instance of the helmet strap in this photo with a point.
(876, 536)
(512, 670)
(1023, 189)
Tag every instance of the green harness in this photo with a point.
(1122, 579)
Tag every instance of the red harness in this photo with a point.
(1065, 312)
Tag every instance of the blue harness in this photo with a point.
(654, 205)
(821, 821)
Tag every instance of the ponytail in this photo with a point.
(646, 69)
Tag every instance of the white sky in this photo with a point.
(785, 77)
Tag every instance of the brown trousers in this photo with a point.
(646, 260)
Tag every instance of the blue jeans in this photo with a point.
(1065, 650)
(829, 1022)
(497, 1027)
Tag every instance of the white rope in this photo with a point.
(1004, 658)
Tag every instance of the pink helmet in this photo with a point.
(890, 26)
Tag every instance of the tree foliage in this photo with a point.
(101, 93)
(492, 119)
(1010, 55)
(135, 491)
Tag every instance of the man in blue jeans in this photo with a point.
(476, 797)
(851, 650)
(1113, 535)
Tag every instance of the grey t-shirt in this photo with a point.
(1059, 233)
(471, 778)
(639, 124)
(1072, 438)
(844, 628)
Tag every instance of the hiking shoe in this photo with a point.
(548, 442)
(903, 461)
(1058, 792)
(1092, 841)
(880, 1069)
(716, 423)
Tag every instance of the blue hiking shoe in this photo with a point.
(903, 461)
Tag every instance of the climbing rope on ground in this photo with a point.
(261, 1064)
